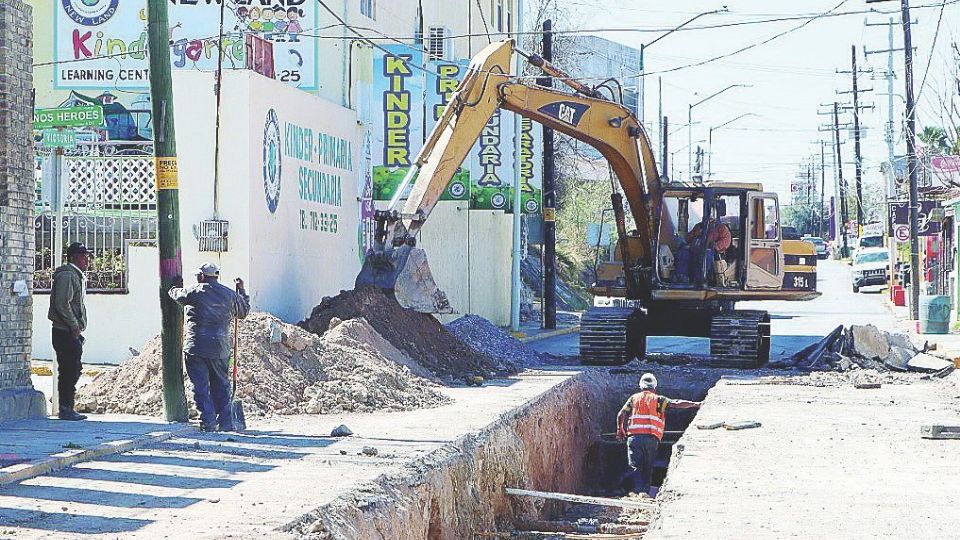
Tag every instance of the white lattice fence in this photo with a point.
(111, 180)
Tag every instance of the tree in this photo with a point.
(936, 140)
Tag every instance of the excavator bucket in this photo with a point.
(404, 271)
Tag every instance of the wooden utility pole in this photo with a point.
(168, 209)
(858, 158)
(845, 251)
(911, 164)
(549, 201)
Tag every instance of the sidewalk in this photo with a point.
(568, 322)
(948, 345)
(31, 448)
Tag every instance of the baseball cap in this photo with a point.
(648, 381)
(209, 269)
(77, 248)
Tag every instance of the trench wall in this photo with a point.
(457, 490)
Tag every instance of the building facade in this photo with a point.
(18, 399)
(318, 65)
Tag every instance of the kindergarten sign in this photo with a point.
(103, 43)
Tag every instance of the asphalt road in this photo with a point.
(795, 324)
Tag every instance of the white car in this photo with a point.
(870, 267)
(865, 243)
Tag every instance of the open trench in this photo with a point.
(557, 442)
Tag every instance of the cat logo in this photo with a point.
(568, 112)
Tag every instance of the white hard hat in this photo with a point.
(209, 269)
(648, 381)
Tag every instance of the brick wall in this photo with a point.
(18, 399)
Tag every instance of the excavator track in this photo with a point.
(603, 336)
(740, 339)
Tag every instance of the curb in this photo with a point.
(24, 471)
(550, 334)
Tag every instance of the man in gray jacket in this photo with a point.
(209, 308)
(69, 318)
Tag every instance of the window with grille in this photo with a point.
(509, 16)
(440, 47)
(368, 8)
(498, 16)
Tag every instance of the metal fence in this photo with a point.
(110, 204)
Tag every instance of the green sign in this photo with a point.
(55, 138)
(85, 116)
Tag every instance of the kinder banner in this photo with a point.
(492, 164)
(530, 160)
(102, 43)
(443, 77)
(398, 87)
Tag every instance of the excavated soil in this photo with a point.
(284, 369)
(419, 335)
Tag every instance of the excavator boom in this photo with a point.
(609, 127)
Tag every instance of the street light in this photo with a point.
(690, 122)
(710, 141)
(643, 47)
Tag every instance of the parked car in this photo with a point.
(870, 268)
(819, 245)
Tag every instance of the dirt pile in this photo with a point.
(283, 370)
(486, 338)
(419, 335)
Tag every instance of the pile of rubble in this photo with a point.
(284, 369)
(488, 339)
(867, 347)
(419, 335)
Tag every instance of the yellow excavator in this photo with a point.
(696, 249)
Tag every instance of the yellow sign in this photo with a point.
(549, 214)
(166, 168)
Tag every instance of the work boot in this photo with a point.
(70, 414)
(208, 427)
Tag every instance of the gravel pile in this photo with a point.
(419, 335)
(488, 339)
(284, 369)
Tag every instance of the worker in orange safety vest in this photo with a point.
(641, 421)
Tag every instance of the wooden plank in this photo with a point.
(582, 499)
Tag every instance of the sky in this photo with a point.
(789, 78)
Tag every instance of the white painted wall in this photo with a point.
(115, 322)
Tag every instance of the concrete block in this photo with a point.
(21, 403)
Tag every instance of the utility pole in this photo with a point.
(516, 284)
(664, 147)
(823, 185)
(858, 158)
(856, 140)
(168, 209)
(845, 251)
(549, 201)
(911, 163)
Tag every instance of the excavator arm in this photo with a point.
(605, 125)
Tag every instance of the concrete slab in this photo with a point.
(215, 485)
(828, 462)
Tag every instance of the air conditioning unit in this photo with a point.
(212, 235)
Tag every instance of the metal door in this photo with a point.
(764, 249)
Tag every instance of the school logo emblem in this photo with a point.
(498, 200)
(272, 162)
(531, 206)
(90, 12)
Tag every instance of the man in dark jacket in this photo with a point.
(209, 309)
(69, 318)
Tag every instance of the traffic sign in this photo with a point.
(59, 138)
(901, 233)
(84, 116)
